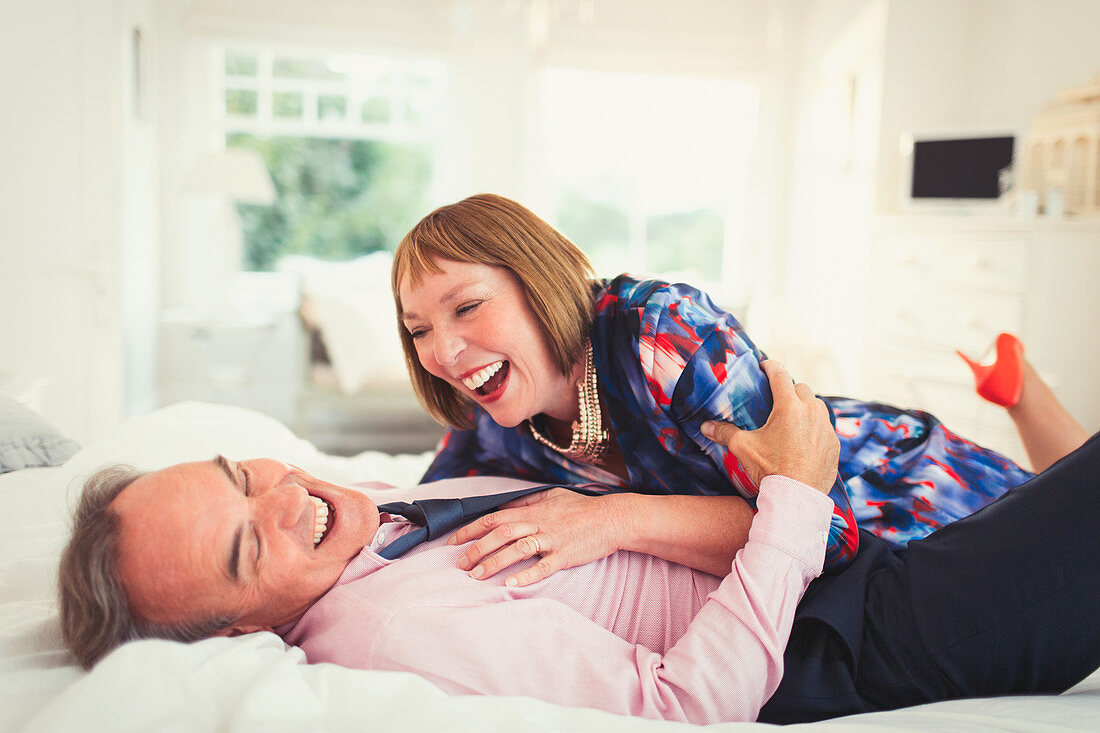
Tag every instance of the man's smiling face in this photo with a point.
(222, 538)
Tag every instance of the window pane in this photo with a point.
(304, 68)
(335, 199)
(366, 94)
(376, 109)
(643, 172)
(286, 104)
(331, 107)
(241, 102)
(602, 227)
(689, 240)
(413, 115)
(241, 64)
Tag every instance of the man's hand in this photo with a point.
(797, 441)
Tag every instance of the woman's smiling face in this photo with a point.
(472, 327)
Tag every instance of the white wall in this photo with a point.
(1028, 49)
(930, 53)
(140, 203)
(981, 64)
(837, 90)
(936, 65)
(64, 230)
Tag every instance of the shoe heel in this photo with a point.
(1002, 381)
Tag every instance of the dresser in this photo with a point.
(249, 359)
(940, 283)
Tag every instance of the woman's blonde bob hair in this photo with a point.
(491, 230)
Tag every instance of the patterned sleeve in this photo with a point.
(700, 365)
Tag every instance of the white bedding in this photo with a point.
(255, 682)
(350, 304)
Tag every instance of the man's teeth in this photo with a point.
(320, 519)
(479, 378)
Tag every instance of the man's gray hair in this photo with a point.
(95, 613)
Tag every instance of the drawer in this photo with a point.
(228, 354)
(953, 261)
(943, 386)
(918, 381)
(987, 265)
(909, 261)
(950, 320)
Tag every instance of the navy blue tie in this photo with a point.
(437, 517)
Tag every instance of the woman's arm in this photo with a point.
(701, 366)
(702, 532)
(797, 441)
(569, 529)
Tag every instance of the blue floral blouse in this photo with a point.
(668, 359)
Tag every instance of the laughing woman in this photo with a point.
(543, 372)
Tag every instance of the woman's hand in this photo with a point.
(563, 527)
(797, 441)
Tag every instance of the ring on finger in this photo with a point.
(538, 548)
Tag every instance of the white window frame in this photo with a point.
(265, 123)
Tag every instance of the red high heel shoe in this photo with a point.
(1002, 381)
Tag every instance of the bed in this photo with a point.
(255, 682)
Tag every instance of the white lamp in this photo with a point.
(238, 174)
(231, 176)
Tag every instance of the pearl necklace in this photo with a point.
(589, 439)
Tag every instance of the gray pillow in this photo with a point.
(28, 441)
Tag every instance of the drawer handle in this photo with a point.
(977, 261)
(906, 316)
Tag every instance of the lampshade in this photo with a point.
(238, 173)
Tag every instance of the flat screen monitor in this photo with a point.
(959, 168)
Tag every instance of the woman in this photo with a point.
(546, 374)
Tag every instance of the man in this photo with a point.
(225, 548)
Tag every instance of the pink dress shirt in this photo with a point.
(630, 634)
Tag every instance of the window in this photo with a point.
(349, 140)
(648, 174)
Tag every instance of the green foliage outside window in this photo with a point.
(336, 199)
(241, 101)
(286, 104)
(596, 227)
(376, 109)
(241, 64)
(685, 240)
(331, 107)
(673, 242)
(303, 68)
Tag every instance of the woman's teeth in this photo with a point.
(320, 519)
(477, 379)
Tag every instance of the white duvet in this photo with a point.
(255, 682)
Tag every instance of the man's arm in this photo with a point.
(798, 440)
(723, 668)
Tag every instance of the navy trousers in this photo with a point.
(1005, 601)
